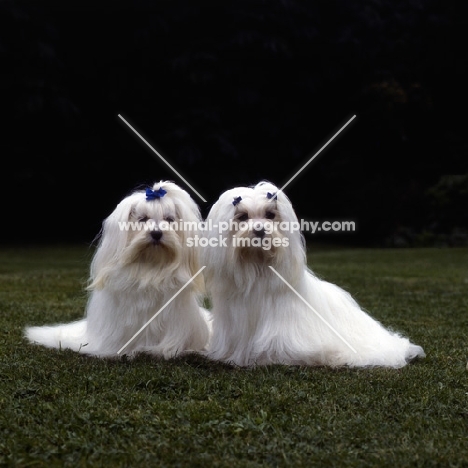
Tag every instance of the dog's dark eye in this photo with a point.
(270, 215)
(143, 219)
(169, 219)
(243, 217)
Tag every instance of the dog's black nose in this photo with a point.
(259, 232)
(156, 235)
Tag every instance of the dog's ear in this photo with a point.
(113, 239)
(220, 213)
(192, 263)
(297, 260)
(190, 251)
(188, 212)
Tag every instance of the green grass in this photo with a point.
(58, 408)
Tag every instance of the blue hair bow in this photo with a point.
(271, 195)
(236, 201)
(155, 194)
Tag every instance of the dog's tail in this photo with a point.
(71, 335)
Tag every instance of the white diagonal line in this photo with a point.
(314, 311)
(317, 153)
(161, 309)
(161, 157)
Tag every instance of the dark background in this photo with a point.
(230, 93)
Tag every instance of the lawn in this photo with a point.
(58, 408)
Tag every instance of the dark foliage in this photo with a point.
(230, 93)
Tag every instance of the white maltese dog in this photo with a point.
(141, 263)
(268, 307)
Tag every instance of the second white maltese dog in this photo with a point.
(136, 271)
(268, 307)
